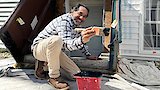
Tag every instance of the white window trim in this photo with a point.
(141, 35)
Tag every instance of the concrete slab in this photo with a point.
(24, 79)
(18, 80)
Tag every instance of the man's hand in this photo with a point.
(87, 34)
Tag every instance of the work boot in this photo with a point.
(58, 84)
(39, 71)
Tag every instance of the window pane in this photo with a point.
(152, 3)
(159, 41)
(152, 10)
(150, 43)
(150, 29)
(152, 25)
(147, 42)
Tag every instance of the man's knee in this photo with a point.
(56, 40)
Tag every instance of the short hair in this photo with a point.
(76, 8)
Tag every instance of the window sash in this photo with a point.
(152, 25)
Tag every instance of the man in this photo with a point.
(58, 36)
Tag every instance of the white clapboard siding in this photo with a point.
(1, 23)
(3, 10)
(3, 18)
(130, 42)
(130, 13)
(134, 2)
(131, 22)
(129, 47)
(131, 18)
(130, 30)
(6, 8)
(6, 1)
(136, 7)
(6, 5)
(130, 36)
(6, 14)
(129, 53)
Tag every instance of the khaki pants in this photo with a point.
(49, 50)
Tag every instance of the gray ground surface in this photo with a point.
(24, 79)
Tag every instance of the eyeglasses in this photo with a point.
(81, 14)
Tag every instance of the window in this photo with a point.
(151, 26)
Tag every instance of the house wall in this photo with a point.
(131, 22)
(132, 25)
(6, 8)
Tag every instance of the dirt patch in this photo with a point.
(4, 53)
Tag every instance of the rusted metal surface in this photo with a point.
(28, 19)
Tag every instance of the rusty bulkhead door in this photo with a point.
(26, 21)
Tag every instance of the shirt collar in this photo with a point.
(72, 20)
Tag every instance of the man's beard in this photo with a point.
(78, 22)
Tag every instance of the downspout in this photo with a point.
(114, 43)
(120, 24)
